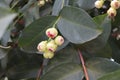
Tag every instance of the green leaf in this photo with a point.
(111, 76)
(65, 55)
(23, 71)
(58, 5)
(3, 53)
(105, 52)
(98, 43)
(69, 71)
(31, 14)
(117, 19)
(115, 49)
(20, 64)
(100, 19)
(35, 33)
(98, 67)
(6, 17)
(4, 3)
(84, 4)
(77, 26)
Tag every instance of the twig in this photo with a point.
(45, 62)
(14, 5)
(39, 72)
(18, 19)
(83, 65)
(5, 47)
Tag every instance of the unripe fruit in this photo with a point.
(47, 0)
(111, 12)
(115, 4)
(51, 32)
(48, 55)
(59, 40)
(41, 3)
(118, 37)
(99, 4)
(42, 46)
(51, 46)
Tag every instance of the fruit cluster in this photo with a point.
(42, 2)
(114, 5)
(48, 47)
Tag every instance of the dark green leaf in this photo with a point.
(98, 43)
(22, 65)
(66, 55)
(111, 76)
(1, 72)
(46, 10)
(69, 71)
(4, 3)
(3, 53)
(98, 67)
(105, 52)
(85, 4)
(6, 37)
(6, 17)
(31, 14)
(23, 71)
(115, 49)
(117, 19)
(35, 33)
(77, 26)
(58, 5)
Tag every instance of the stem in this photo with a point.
(45, 62)
(14, 4)
(5, 47)
(18, 19)
(83, 65)
(62, 4)
(56, 21)
(39, 72)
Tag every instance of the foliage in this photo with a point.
(23, 24)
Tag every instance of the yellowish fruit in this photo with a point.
(99, 4)
(51, 46)
(41, 3)
(111, 12)
(115, 4)
(59, 40)
(42, 46)
(48, 55)
(51, 32)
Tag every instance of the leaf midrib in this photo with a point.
(39, 34)
(82, 25)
